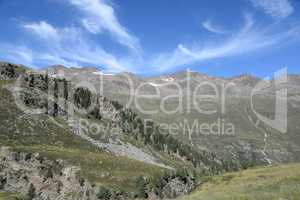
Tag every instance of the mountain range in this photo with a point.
(80, 133)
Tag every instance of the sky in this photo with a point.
(220, 38)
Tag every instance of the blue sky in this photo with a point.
(222, 38)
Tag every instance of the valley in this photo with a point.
(110, 151)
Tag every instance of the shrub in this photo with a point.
(141, 186)
(31, 191)
(104, 193)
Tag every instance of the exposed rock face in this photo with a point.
(177, 187)
(103, 108)
(41, 178)
(10, 71)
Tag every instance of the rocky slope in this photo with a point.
(252, 138)
(50, 130)
(40, 178)
(165, 165)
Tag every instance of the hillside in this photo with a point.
(252, 138)
(114, 160)
(268, 183)
(55, 139)
(111, 151)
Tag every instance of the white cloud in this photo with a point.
(99, 16)
(69, 46)
(275, 8)
(17, 54)
(43, 29)
(212, 28)
(248, 39)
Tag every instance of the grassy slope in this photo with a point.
(11, 196)
(100, 168)
(40, 134)
(267, 183)
(238, 113)
(6, 196)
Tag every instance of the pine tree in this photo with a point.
(141, 186)
(31, 191)
(104, 193)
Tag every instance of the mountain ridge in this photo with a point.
(179, 73)
(254, 143)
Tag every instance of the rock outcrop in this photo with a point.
(37, 177)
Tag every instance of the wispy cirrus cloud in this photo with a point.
(18, 54)
(70, 46)
(275, 8)
(73, 46)
(43, 30)
(248, 39)
(99, 16)
(209, 26)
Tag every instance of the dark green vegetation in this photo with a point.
(118, 173)
(254, 142)
(141, 188)
(147, 133)
(50, 134)
(11, 71)
(55, 139)
(11, 196)
(40, 134)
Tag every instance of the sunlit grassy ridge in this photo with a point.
(266, 183)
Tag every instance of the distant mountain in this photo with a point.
(114, 147)
(167, 166)
(245, 80)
